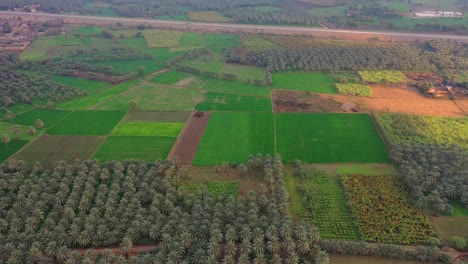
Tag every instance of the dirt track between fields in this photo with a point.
(231, 28)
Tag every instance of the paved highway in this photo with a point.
(242, 27)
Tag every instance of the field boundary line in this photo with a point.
(176, 144)
(141, 83)
(380, 131)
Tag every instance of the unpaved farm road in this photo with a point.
(286, 30)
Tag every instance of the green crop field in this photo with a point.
(162, 38)
(84, 84)
(217, 64)
(215, 101)
(153, 96)
(258, 43)
(7, 128)
(232, 137)
(148, 129)
(142, 148)
(329, 138)
(233, 87)
(11, 148)
(86, 31)
(215, 42)
(48, 116)
(101, 96)
(150, 116)
(48, 149)
(87, 123)
(382, 76)
(316, 82)
(170, 77)
(354, 89)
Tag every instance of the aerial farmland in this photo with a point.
(124, 143)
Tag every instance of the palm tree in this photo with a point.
(293, 258)
(39, 124)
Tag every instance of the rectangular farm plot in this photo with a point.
(148, 129)
(6, 150)
(87, 123)
(48, 116)
(162, 38)
(150, 116)
(142, 148)
(316, 82)
(231, 102)
(170, 77)
(329, 138)
(47, 149)
(233, 136)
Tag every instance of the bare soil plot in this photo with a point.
(150, 116)
(187, 143)
(296, 101)
(47, 149)
(447, 226)
(247, 181)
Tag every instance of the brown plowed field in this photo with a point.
(384, 99)
(186, 146)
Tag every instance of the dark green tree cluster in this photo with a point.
(433, 174)
(398, 56)
(44, 214)
(17, 87)
(192, 54)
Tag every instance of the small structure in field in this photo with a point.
(350, 107)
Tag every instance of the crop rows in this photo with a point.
(383, 77)
(383, 212)
(354, 89)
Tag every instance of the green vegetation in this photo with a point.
(214, 188)
(382, 77)
(233, 87)
(208, 16)
(316, 82)
(85, 85)
(87, 123)
(86, 31)
(162, 38)
(22, 132)
(328, 138)
(48, 116)
(148, 129)
(323, 202)
(48, 149)
(170, 77)
(151, 116)
(215, 101)
(215, 42)
(404, 128)
(101, 96)
(139, 148)
(11, 148)
(383, 212)
(354, 89)
(258, 43)
(231, 137)
(366, 169)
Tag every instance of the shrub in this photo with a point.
(457, 242)
(433, 241)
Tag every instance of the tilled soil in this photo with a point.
(187, 144)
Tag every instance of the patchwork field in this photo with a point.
(87, 123)
(232, 137)
(7, 128)
(48, 117)
(232, 87)
(170, 77)
(142, 148)
(329, 138)
(48, 149)
(215, 101)
(304, 81)
(148, 129)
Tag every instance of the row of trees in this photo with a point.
(17, 87)
(44, 214)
